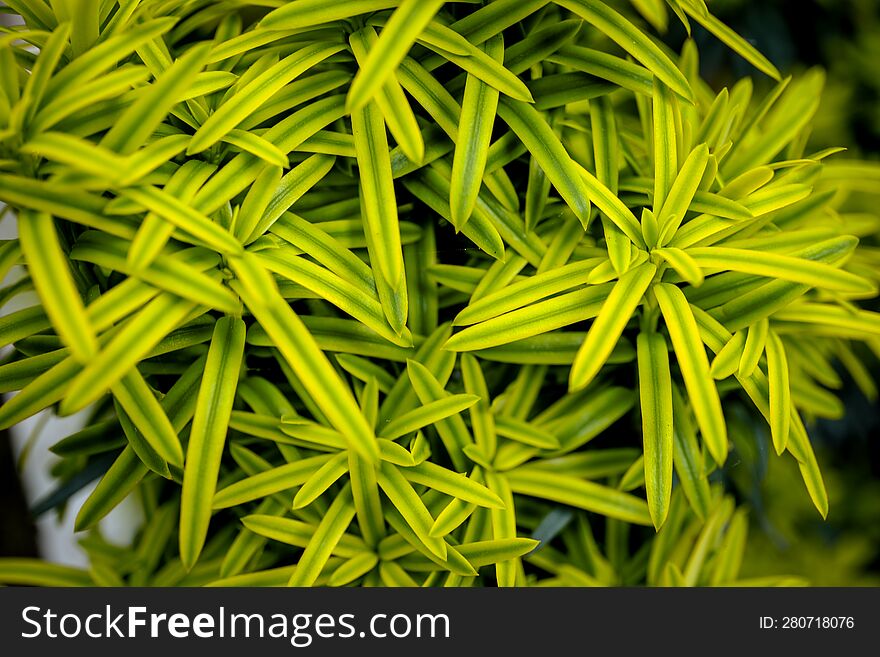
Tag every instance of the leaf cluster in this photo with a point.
(350, 288)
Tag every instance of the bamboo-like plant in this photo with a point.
(350, 288)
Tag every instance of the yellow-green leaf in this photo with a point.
(578, 493)
(249, 98)
(780, 392)
(631, 39)
(398, 36)
(655, 393)
(478, 107)
(694, 365)
(50, 271)
(299, 349)
(208, 435)
(608, 326)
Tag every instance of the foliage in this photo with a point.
(317, 356)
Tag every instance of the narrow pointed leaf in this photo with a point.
(548, 151)
(249, 98)
(608, 326)
(316, 554)
(579, 494)
(780, 392)
(397, 37)
(301, 352)
(694, 365)
(208, 435)
(655, 393)
(478, 108)
(410, 506)
(50, 272)
(380, 206)
(631, 39)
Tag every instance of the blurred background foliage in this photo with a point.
(841, 36)
(786, 534)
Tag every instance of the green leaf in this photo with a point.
(154, 232)
(103, 56)
(621, 72)
(50, 272)
(631, 39)
(625, 296)
(306, 13)
(676, 205)
(478, 108)
(523, 432)
(248, 142)
(726, 361)
(753, 348)
(719, 206)
(125, 473)
(377, 188)
(612, 207)
(430, 413)
(337, 291)
(694, 365)
(287, 134)
(482, 419)
(655, 393)
(41, 74)
(146, 416)
(300, 534)
(735, 42)
(184, 217)
(503, 526)
(773, 265)
(391, 100)
(410, 506)
(687, 459)
(683, 264)
(354, 569)
(61, 201)
(484, 553)
(452, 429)
(299, 349)
(318, 484)
(208, 435)
(521, 293)
(433, 189)
(138, 122)
(665, 146)
(325, 249)
(532, 320)
(282, 478)
(729, 555)
(458, 50)
(248, 98)
(10, 255)
(457, 485)
(179, 274)
(316, 554)
(579, 494)
(780, 392)
(543, 144)
(80, 154)
(136, 338)
(398, 36)
(34, 572)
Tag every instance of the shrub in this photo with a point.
(510, 344)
